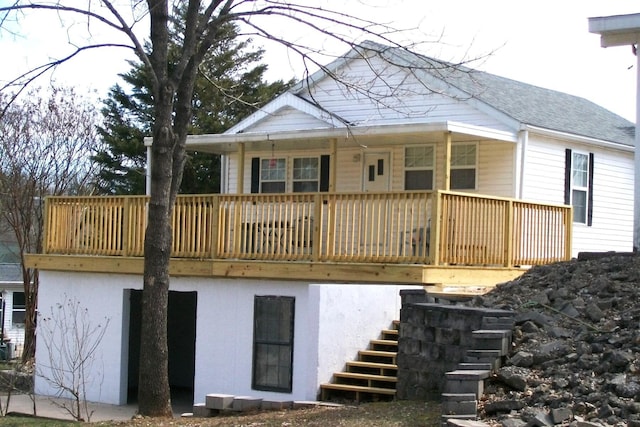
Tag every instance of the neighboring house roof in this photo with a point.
(10, 272)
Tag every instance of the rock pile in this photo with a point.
(575, 359)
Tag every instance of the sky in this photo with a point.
(545, 43)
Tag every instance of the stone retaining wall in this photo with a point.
(434, 338)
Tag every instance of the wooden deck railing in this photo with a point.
(408, 227)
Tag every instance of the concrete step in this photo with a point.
(466, 381)
(492, 339)
(459, 404)
(478, 366)
(498, 322)
(484, 356)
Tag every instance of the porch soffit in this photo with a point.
(364, 135)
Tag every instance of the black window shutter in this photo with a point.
(567, 176)
(590, 197)
(324, 173)
(255, 175)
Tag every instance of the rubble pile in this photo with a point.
(575, 358)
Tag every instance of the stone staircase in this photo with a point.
(465, 385)
(372, 376)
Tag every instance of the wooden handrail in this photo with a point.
(424, 227)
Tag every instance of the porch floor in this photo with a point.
(449, 279)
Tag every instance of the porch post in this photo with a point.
(240, 177)
(332, 164)
(447, 161)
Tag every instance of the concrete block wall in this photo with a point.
(434, 338)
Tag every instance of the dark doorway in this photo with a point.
(181, 336)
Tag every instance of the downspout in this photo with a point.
(636, 162)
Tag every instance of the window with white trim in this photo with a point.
(273, 175)
(18, 312)
(306, 174)
(419, 167)
(579, 186)
(464, 164)
(273, 322)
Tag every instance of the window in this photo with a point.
(579, 185)
(463, 166)
(294, 174)
(273, 174)
(306, 174)
(273, 343)
(418, 167)
(18, 313)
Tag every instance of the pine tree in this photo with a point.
(230, 85)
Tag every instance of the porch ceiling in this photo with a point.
(358, 135)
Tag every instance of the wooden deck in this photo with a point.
(408, 237)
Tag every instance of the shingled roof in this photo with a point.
(528, 104)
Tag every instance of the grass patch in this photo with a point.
(28, 420)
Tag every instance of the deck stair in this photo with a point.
(373, 376)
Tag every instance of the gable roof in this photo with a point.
(519, 104)
(528, 104)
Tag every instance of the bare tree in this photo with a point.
(172, 90)
(71, 340)
(44, 147)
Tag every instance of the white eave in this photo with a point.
(577, 138)
(618, 30)
(226, 143)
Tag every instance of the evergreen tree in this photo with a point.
(230, 85)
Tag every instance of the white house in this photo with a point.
(384, 171)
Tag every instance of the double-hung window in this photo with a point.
(418, 167)
(464, 163)
(579, 185)
(306, 174)
(273, 321)
(290, 174)
(19, 308)
(273, 175)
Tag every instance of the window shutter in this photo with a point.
(567, 176)
(255, 175)
(590, 197)
(324, 173)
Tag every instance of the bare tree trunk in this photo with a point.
(31, 298)
(154, 398)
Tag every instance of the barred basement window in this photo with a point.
(273, 320)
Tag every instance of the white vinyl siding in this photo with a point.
(407, 100)
(287, 119)
(612, 227)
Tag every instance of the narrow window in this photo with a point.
(579, 186)
(273, 174)
(464, 162)
(306, 174)
(418, 167)
(273, 343)
(18, 312)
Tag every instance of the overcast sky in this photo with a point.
(542, 42)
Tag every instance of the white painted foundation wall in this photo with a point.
(332, 322)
